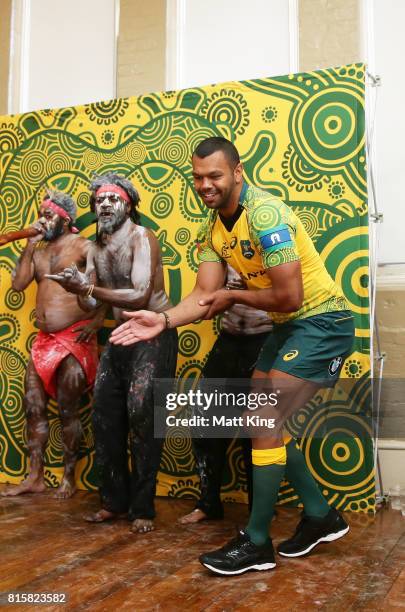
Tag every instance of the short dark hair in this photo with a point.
(218, 143)
(111, 178)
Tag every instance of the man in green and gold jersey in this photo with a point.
(265, 242)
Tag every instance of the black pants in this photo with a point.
(230, 357)
(124, 408)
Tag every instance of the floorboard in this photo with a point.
(46, 546)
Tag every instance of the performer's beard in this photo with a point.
(109, 224)
(54, 232)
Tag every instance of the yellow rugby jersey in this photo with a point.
(266, 234)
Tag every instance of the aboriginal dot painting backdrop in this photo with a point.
(301, 137)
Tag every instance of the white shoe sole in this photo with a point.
(329, 538)
(260, 567)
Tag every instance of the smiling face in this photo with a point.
(111, 211)
(52, 223)
(217, 181)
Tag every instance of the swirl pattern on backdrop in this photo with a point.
(301, 138)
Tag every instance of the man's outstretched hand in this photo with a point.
(72, 280)
(141, 325)
(145, 324)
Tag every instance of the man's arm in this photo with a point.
(97, 312)
(144, 325)
(285, 294)
(144, 265)
(210, 277)
(24, 271)
(89, 278)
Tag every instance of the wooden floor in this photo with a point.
(45, 546)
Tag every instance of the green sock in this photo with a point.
(266, 483)
(298, 474)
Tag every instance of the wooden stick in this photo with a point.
(19, 235)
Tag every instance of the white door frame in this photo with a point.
(175, 27)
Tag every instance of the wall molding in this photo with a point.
(294, 32)
(175, 29)
(175, 25)
(25, 56)
(117, 7)
(391, 276)
(391, 445)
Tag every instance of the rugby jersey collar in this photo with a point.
(229, 222)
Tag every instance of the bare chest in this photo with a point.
(113, 265)
(52, 259)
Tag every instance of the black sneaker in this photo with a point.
(239, 556)
(312, 531)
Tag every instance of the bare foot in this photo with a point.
(29, 485)
(102, 516)
(196, 516)
(66, 489)
(142, 526)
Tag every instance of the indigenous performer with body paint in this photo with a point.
(124, 269)
(63, 360)
(313, 333)
(234, 355)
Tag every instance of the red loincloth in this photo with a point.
(49, 350)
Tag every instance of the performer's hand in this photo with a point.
(40, 236)
(97, 322)
(219, 301)
(72, 280)
(142, 325)
(85, 332)
(236, 283)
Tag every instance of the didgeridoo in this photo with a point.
(29, 232)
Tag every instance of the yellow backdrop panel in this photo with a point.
(301, 137)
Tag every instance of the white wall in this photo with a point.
(384, 53)
(68, 53)
(386, 59)
(224, 40)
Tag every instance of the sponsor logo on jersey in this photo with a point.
(251, 275)
(290, 355)
(335, 365)
(247, 250)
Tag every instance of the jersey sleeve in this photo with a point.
(205, 251)
(273, 229)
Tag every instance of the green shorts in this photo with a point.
(313, 348)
